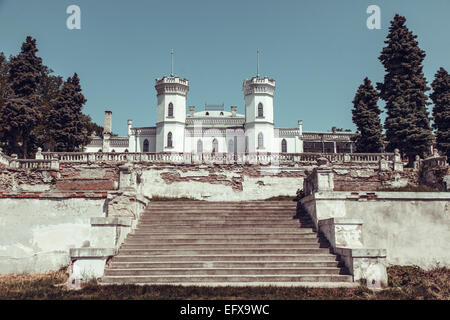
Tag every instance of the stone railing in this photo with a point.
(218, 158)
(435, 162)
(4, 159)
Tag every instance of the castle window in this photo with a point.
(126, 151)
(230, 146)
(170, 111)
(215, 146)
(169, 140)
(260, 141)
(199, 146)
(260, 110)
(146, 148)
(221, 113)
(283, 146)
(207, 113)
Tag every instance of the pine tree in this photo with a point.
(404, 90)
(69, 129)
(366, 116)
(20, 112)
(441, 110)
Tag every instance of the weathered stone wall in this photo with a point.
(37, 230)
(219, 183)
(414, 227)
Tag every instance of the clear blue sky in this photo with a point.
(317, 51)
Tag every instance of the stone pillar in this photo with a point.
(383, 164)
(191, 111)
(108, 122)
(398, 164)
(130, 124)
(39, 154)
(233, 111)
(416, 163)
(334, 147)
(107, 131)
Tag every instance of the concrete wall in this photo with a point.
(36, 234)
(413, 227)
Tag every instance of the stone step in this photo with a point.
(195, 210)
(217, 224)
(219, 229)
(230, 217)
(219, 271)
(231, 279)
(225, 264)
(226, 257)
(221, 251)
(205, 233)
(222, 245)
(183, 241)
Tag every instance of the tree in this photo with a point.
(366, 116)
(404, 90)
(20, 112)
(69, 126)
(441, 110)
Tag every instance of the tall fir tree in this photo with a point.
(20, 112)
(404, 91)
(441, 110)
(69, 129)
(366, 117)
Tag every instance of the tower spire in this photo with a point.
(171, 62)
(257, 63)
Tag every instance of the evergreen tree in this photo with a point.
(407, 124)
(441, 110)
(69, 126)
(20, 112)
(366, 117)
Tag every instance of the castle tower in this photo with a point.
(171, 113)
(259, 129)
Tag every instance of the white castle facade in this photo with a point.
(214, 130)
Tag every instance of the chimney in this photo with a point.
(333, 129)
(300, 127)
(130, 124)
(108, 122)
(191, 111)
(233, 111)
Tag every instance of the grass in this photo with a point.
(405, 283)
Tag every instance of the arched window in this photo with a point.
(169, 140)
(230, 146)
(99, 150)
(170, 111)
(260, 141)
(260, 110)
(283, 146)
(146, 148)
(215, 146)
(113, 150)
(126, 151)
(221, 113)
(207, 113)
(199, 146)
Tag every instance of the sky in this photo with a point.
(318, 52)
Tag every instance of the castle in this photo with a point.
(215, 130)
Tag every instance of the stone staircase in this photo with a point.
(225, 243)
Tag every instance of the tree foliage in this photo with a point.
(69, 129)
(441, 110)
(37, 109)
(404, 91)
(366, 116)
